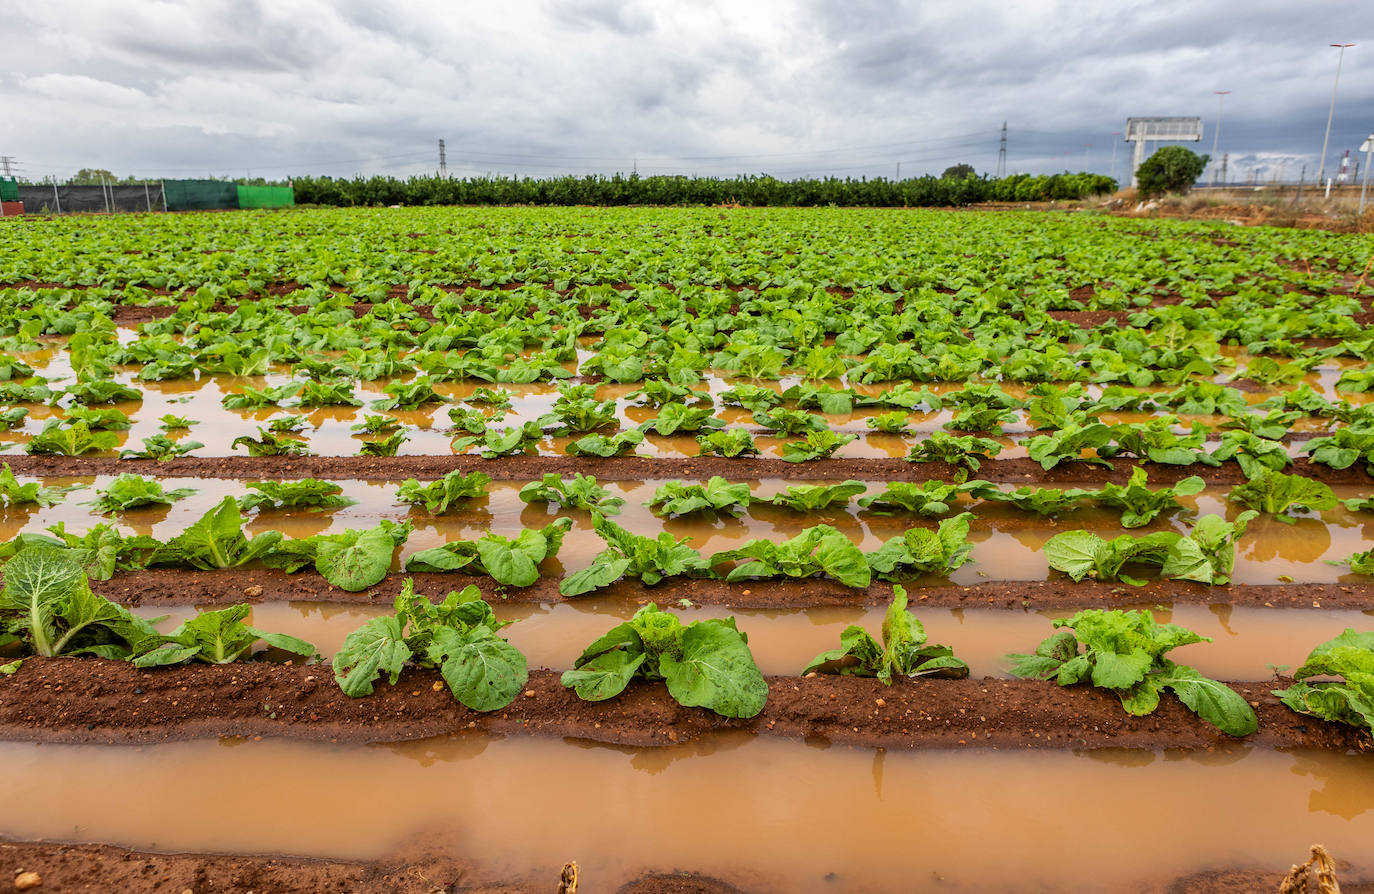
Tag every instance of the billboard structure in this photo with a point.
(1158, 130)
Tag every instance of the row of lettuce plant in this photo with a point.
(49, 610)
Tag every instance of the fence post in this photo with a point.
(164, 194)
(56, 198)
(105, 196)
(146, 197)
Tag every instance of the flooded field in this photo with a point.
(328, 430)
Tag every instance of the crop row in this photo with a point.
(942, 338)
(1068, 417)
(366, 252)
(50, 610)
(1268, 491)
(355, 560)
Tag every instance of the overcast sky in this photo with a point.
(849, 88)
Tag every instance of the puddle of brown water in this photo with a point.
(1247, 641)
(1007, 542)
(787, 816)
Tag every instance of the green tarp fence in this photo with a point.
(266, 196)
(200, 195)
(9, 189)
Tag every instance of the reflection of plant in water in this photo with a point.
(1120, 757)
(1305, 540)
(729, 527)
(446, 750)
(1223, 614)
(1346, 786)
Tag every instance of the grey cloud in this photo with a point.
(590, 85)
(616, 15)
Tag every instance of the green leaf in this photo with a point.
(604, 676)
(509, 563)
(358, 565)
(715, 671)
(1214, 702)
(482, 670)
(216, 540)
(1075, 553)
(607, 567)
(375, 648)
(37, 581)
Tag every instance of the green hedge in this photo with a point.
(746, 190)
(266, 197)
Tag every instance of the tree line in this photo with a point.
(753, 190)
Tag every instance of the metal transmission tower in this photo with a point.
(1002, 154)
(1226, 158)
(6, 164)
(443, 160)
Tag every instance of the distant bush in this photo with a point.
(1172, 169)
(745, 190)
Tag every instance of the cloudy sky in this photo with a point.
(849, 88)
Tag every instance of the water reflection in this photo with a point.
(1345, 787)
(656, 759)
(441, 750)
(1269, 540)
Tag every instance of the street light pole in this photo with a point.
(1321, 169)
(1216, 135)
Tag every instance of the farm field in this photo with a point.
(661, 540)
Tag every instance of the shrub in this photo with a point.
(1172, 169)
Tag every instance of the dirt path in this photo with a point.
(171, 586)
(642, 468)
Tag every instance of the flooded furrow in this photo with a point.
(1007, 542)
(328, 430)
(769, 816)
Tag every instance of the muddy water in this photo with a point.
(1007, 542)
(429, 431)
(770, 815)
(1247, 642)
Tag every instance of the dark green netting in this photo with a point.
(199, 195)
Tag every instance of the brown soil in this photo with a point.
(91, 700)
(129, 314)
(1251, 881)
(678, 883)
(642, 468)
(172, 586)
(1089, 319)
(103, 868)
